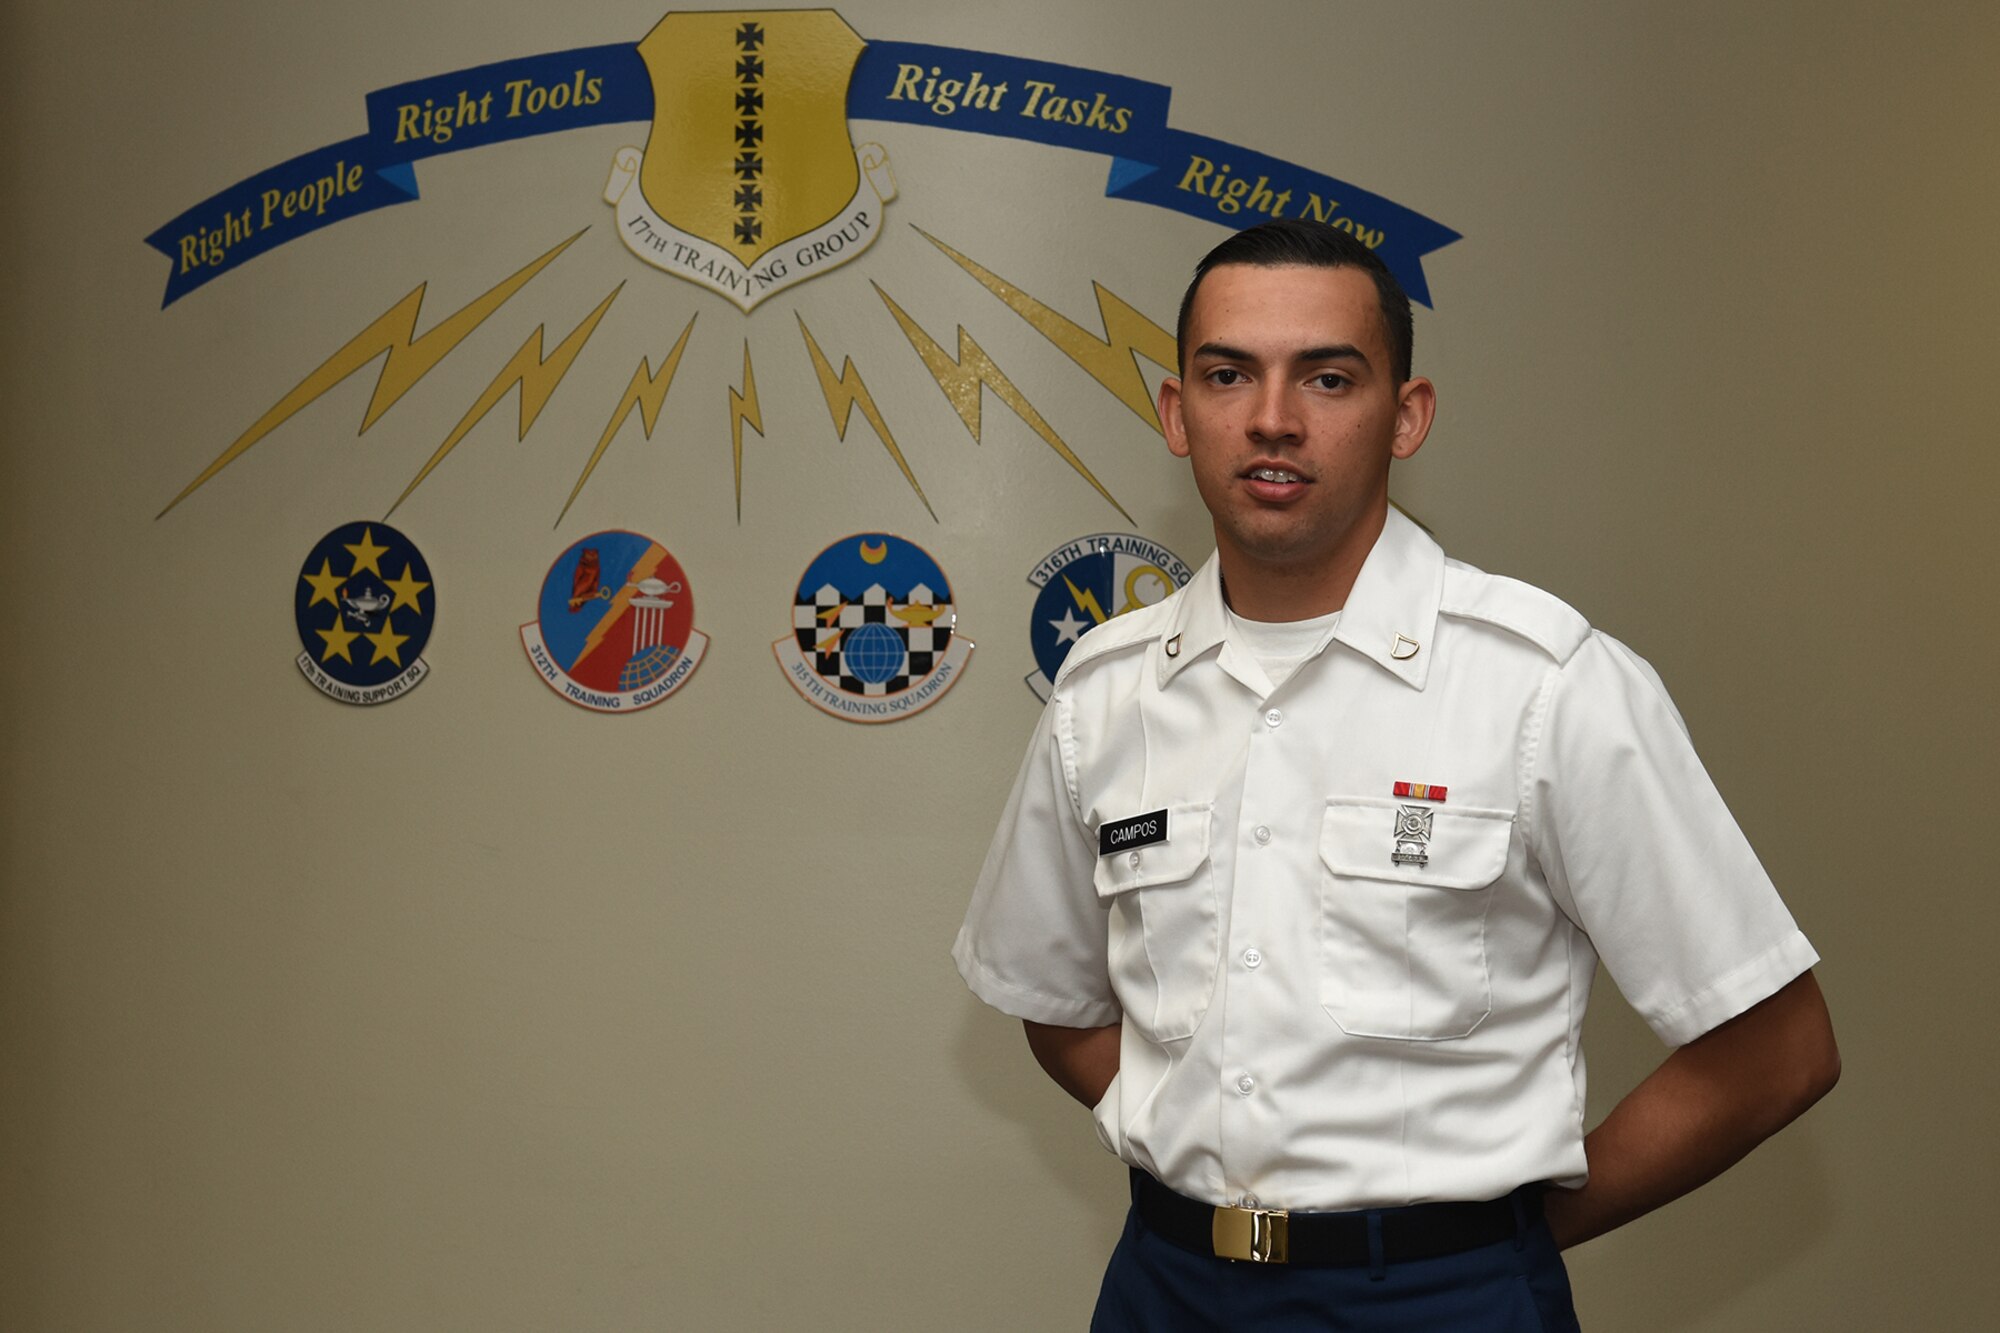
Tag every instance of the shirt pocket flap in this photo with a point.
(1177, 858)
(1463, 848)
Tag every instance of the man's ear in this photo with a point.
(1416, 408)
(1170, 416)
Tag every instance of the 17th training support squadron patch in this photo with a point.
(364, 606)
(874, 632)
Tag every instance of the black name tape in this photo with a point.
(1138, 831)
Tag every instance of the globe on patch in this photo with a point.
(647, 667)
(873, 653)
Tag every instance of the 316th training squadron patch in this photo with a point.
(1087, 582)
(874, 632)
(364, 606)
(616, 632)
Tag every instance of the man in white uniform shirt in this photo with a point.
(1306, 876)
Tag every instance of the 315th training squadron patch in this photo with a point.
(616, 632)
(1087, 582)
(364, 606)
(874, 632)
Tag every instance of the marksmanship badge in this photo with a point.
(616, 632)
(1413, 835)
(364, 606)
(874, 632)
(750, 182)
(1087, 582)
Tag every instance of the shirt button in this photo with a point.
(1134, 858)
(1261, 834)
(1274, 717)
(1246, 1085)
(1252, 958)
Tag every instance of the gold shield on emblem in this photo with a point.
(749, 145)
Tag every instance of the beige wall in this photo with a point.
(323, 1018)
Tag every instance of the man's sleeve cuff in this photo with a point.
(1032, 1005)
(1734, 993)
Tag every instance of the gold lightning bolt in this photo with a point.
(537, 376)
(962, 377)
(621, 601)
(742, 408)
(647, 391)
(1087, 600)
(409, 360)
(843, 392)
(1113, 360)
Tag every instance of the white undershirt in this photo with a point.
(1280, 645)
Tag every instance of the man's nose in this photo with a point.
(1276, 418)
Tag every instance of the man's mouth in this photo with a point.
(1274, 474)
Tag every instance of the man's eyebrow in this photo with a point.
(1333, 352)
(1329, 352)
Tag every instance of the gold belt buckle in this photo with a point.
(1259, 1235)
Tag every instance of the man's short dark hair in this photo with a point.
(1286, 241)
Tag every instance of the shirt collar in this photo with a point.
(1390, 617)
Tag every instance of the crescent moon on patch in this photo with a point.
(875, 554)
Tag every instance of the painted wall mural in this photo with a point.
(749, 182)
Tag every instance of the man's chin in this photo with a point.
(1288, 551)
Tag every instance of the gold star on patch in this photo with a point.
(406, 590)
(367, 555)
(388, 643)
(325, 584)
(338, 641)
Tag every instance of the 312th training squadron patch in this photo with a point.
(874, 632)
(616, 632)
(364, 606)
(1087, 582)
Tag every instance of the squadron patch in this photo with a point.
(1087, 582)
(364, 605)
(874, 631)
(616, 630)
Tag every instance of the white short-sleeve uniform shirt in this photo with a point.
(1332, 996)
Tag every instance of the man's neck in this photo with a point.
(1279, 591)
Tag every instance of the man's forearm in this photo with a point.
(1082, 1061)
(1707, 1105)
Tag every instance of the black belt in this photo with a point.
(1372, 1236)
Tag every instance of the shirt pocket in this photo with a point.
(1403, 916)
(1164, 938)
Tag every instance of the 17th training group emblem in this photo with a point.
(364, 606)
(750, 181)
(874, 632)
(616, 630)
(1087, 582)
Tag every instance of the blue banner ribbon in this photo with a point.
(1126, 119)
(1122, 118)
(1207, 178)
